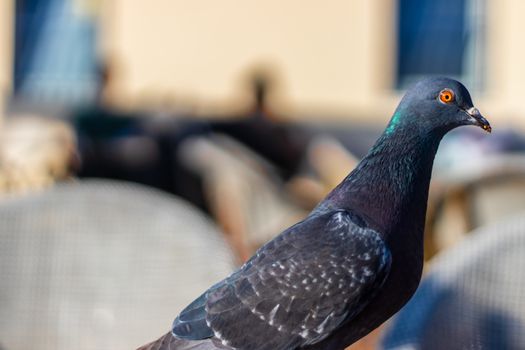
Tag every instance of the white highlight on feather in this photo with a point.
(320, 329)
(258, 314)
(338, 221)
(365, 256)
(304, 333)
(272, 314)
(218, 335)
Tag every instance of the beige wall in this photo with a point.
(6, 49)
(505, 94)
(200, 50)
(335, 57)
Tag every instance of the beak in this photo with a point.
(477, 119)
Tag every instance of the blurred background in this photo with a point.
(149, 148)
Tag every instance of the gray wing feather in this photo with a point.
(296, 290)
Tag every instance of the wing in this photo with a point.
(296, 290)
(170, 342)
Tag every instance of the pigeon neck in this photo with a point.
(389, 187)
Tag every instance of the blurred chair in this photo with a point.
(244, 193)
(472, 296)
(330, 160)
(101, 265)
(328, 163)
(472, 195)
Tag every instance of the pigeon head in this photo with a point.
(436, 105)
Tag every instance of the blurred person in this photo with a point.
(281, 144)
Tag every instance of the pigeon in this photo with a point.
(353, 262)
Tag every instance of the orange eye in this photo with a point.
(446, 96)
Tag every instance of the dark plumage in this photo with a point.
(353, 262)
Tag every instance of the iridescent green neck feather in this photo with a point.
(393, 122)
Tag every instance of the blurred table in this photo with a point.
(471, 195)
